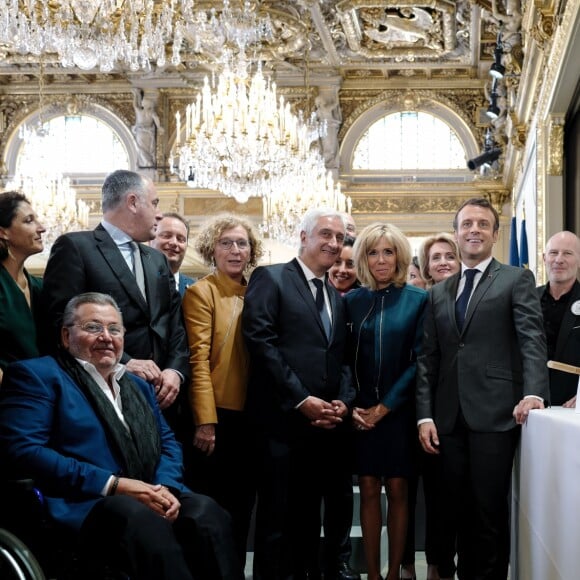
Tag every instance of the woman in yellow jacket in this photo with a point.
(221, 465)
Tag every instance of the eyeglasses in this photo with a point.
(96, 328)
(227, 244)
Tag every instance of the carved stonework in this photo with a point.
(519, 135)
(544, 29)
(464, 102)
(402, 30)
(497, 198)
(555, 146)
(407, 204)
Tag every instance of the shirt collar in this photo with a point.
(119, 236)
(308, 272)
(482, 266)
(117, 372)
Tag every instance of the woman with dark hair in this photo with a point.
(342, 273)
(219, 368)
(386, 320)
(20, 237)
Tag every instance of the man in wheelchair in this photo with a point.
(93, 439)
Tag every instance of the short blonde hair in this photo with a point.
(208, 237)
(425, 248)
(368, 239)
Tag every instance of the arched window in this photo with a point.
(409, 140)
(74, 145)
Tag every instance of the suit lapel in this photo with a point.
(487, 279)
(303, 287)
(451, 288)
(112, 255)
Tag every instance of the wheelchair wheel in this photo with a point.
(16, 560)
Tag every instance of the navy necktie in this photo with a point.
(463, 300)
(322, 307)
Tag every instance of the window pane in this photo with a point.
(75, 145)
(409, 140)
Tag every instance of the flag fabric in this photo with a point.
(524, 259)
(514, 254)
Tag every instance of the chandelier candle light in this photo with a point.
(244, 141)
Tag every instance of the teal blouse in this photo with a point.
(18, 335)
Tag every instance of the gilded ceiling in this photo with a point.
(355, 39)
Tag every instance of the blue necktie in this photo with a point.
(463, 300)
(322, 307)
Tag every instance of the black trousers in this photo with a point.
(295, 474)
(429, 470)
(476, 476)
(229, 473)
(123, 532)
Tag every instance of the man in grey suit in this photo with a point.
(113, 259)
(560, 299)
(482, 370)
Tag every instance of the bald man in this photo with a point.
(560, 299)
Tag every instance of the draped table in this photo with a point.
(546, 498)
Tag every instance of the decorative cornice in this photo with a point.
(555, 145)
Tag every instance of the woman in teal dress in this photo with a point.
(20, 237)
(385, 317)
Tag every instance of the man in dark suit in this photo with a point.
(93, 439)
(560, 299)
(298, 395)
(482, 370)
(171, 239)
(114, 260)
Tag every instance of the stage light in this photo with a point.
(486, 158)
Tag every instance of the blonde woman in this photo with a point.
(386, 320)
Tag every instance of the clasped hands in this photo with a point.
(366, 419)
(166, 382)
(156, 497)
(323, 414)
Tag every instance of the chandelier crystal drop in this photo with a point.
(48, 190)
(243, 140)
(125, 34)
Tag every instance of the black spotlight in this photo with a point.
(485, 158)
(493, 110)
(497, 70)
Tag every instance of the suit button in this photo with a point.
(461, 344)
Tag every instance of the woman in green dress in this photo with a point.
(20, 237)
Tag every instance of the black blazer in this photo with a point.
(291, 358)
(498, 357)
(91, 262)
(563, 386)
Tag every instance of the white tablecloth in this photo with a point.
(546, 498)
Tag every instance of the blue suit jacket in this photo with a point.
(184, 282)
(50, 432)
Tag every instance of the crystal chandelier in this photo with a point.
(243, 140)
(130, 34)
(49, 192)
(90, 33)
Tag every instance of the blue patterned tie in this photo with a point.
(463, 300)
(322, 307)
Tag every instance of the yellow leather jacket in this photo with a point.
(212, 308)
